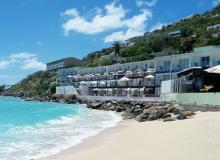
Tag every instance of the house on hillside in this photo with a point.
(214, 27)
(175, 33)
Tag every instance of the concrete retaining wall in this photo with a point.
(211, 99)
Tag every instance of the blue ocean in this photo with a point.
(31, 130)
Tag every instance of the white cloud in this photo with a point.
(33, 63)
(70, 12)
(123, 35)
(22, 55)
(135, 27)
(23, 60)
(215, 2)
(4, 64)
(112, 18)
(157, 26)
(142, 3)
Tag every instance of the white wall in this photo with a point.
(66, 90)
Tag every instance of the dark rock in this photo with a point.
(127, 115)
(181, 117)
(95, 105)
(119, 109)
(168, 115)
(161, 112)
(142, 117)
(137, 112)
(130, 110)
(153, 116)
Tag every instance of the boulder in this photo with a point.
(169, 119)
(161, 112)
(119, 109)
(95, 105)
(130, 110)
(142, 117)
(188, 113)
(127, 115)
(149, 110)
(153, 116)
(137, 112)
(181, 117)
(167, 115)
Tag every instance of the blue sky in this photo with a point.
(34, 32)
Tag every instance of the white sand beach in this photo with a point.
(197, 138)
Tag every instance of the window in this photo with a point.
(146, 66)
(167, 65)
(205, 61)
(184, 63)
(136, 66)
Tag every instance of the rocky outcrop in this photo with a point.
(144, 111)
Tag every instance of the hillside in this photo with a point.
(193, 33)
(36, 84)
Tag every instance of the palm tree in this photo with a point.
(117, 47)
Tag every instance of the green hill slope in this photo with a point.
(193, 34)
(39, 83)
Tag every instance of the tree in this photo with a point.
(186, 45)
(186, 31)
(2, 88)
(117, 47)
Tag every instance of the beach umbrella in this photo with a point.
(71, 76)
(150, 71)
(149, 77)
(215, 69)
(125, 79)
(97, 74)
(94, 82)
(83, 83)
(96, 89)
(103, 83)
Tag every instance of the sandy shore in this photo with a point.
(197, 138)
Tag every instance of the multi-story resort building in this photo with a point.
(63, 63)
(136, 78)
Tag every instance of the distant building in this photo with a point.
(113, 58)
(175, 33)
(215, 27)
(63, 63)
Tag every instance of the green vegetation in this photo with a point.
(117, 47)
(36, 84)
(193, 31)
(2, 88)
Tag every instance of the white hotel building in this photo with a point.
(139, 74)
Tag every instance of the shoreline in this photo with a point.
(90, 142)
(195, 138)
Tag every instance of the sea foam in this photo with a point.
(70, 126)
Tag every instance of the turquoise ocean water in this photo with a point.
(31, 130)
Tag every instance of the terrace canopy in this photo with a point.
(125, 79)
(83, 83)
(71, 76)
(149, 77)
(215, 70)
